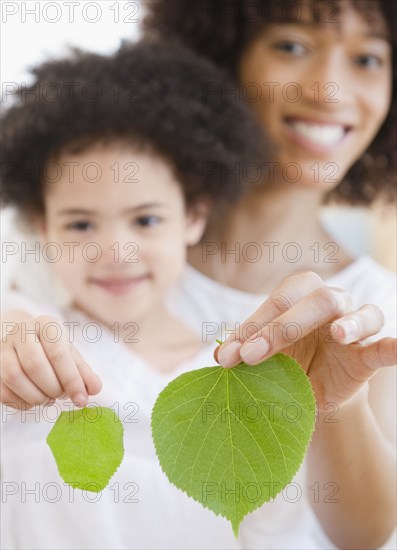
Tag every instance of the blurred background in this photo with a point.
(49, 28)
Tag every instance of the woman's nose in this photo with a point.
(332, 87)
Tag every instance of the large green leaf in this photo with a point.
(87, 445)
(234, 438)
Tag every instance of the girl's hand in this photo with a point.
(316, 325)
(35, 371)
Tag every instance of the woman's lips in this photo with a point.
(119, 285)
(316, 136)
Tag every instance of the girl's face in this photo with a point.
(322, 92)
(119, 218)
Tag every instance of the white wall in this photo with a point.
(33, 31)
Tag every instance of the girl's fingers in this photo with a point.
(60, 358)
(366, 321)
(11, 399)
(92, 381)
(36, 366)
(46, 366)
(288, 293)
(15, 380)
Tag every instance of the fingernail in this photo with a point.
(254, 352)
(228, 354)
(350, 330)
(79, 399)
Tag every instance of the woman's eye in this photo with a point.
(79, 226)
(290, 47)
(369, 61)
(147, 221)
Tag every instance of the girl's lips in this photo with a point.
(316, 136)
(119, 286)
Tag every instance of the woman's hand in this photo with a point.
(36, 371)
(316, 325)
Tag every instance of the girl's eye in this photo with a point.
(147, 221)
(79, 226)
(290, 47)
(369, 61)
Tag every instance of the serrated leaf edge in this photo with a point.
(235, 526)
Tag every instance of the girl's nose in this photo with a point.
(120, 249)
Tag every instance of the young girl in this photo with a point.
(109, 173)
(320, 77)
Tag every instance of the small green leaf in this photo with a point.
(87, 445)
(234, 438)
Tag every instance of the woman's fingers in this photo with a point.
(382, 353)
(366, 321)
(321, 306)
(288, 293)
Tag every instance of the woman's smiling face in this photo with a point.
(326, 90)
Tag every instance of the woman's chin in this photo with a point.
(323, 176)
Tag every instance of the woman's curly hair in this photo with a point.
(150, 94)
(221, 29)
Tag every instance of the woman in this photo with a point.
(319, 76)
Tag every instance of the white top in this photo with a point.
(207, 305)
(140, 508)
(213, 310)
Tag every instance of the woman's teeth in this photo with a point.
(324, 134)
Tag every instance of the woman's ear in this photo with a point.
(196, 221)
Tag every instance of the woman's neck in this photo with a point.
(271, 234)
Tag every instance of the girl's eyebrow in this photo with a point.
(84, 212)
(144, 206)
(378, 35)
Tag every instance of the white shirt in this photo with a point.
(140, 508)
(207, 305)
(214, 311)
